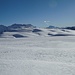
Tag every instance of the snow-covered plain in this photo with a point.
(37, 55)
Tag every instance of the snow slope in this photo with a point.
(32, 32)
(38, 51)
(37, 55)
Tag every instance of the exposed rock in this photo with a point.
(36, 30)
(18, 36)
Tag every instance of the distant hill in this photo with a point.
(15, 27)
(51, 27)
(3, 29)
(28, 30)
(71, 28)
(20, 27)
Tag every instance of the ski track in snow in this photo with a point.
(37, 56)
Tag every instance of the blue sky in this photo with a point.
(40, 13)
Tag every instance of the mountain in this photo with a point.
(3, 29)
(36, 30)
(20, 27)
(15, 26)
(51, 27)
(28, 30)
(71, 28)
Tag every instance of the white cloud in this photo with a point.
(47, 22)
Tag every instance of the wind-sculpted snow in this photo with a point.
(33, 32)
(37, 55)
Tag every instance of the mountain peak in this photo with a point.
(20, 26)
(51, 27)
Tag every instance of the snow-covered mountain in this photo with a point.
(52, 27)
(2, 29)
(15, 28)
(71, 28)
(20, 26)
(32, 32)
(28, 30)
(37, 51)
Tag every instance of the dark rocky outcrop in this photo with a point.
(3, 29)
(71, 28)
(52, 27)
(36, 30)
(18, 36)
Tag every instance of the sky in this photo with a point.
(40, 13)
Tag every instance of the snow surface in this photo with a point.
(43, 32)
(37, 55)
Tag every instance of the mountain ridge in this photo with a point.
(28, 30)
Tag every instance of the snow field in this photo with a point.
(37, 56)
